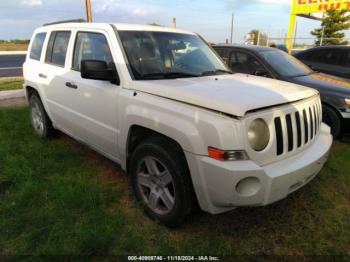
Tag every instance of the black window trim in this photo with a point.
(75, 43)
(54, 33)
(42, 48)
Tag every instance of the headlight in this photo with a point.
(258, 135)
(347, 101)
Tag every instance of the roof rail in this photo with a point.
(80, 20)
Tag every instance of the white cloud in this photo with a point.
(104, 5)
(125, 9)
(32, 2)
(241, 4)
(142, 12)
(276, 2)
(20, 3)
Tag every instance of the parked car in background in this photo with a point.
(159, 102)
(283, 48)
(334, 60)
(273, 63)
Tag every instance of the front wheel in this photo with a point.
(332, 119)
(161, 181)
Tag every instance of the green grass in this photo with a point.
(11, 85)
(58, 197)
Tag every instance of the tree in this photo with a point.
(155, 24)
(332, 27)
(256, 37)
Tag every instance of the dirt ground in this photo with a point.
(13, 47)
(15, 102)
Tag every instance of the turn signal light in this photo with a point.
(227, 155)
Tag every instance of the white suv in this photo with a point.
(161, 103)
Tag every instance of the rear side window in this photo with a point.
(317, 56)
(335, 57)
(332, 57)
(347, 62)
(37, 46)
(327, 56)
(91, 46)
(57, 48)
(304, 55)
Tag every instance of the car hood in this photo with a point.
(324, 82)
(232, 94)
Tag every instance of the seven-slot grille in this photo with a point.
(297, 129)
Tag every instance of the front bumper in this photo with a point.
(346, 121)
(345, 115)
(222, 186)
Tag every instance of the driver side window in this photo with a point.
(245, 63)
(91, 46)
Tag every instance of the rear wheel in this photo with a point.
(331, 118)
(161, 181)
(39, 119)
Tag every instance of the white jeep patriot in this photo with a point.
(162, 104)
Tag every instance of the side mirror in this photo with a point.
(99, 70)
(261, 72)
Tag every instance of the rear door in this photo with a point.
(32, 66)
(52, 73)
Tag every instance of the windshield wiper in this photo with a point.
(168, 75)
(216, 72)
(306, 74)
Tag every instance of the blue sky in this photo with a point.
(210, 18)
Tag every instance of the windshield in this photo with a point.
(159, 55)
(285, 64)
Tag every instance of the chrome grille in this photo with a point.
(297, 128)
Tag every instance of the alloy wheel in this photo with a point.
(156, 185)
(37, 119)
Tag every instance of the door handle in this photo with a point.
(70, 85)
(42, 75)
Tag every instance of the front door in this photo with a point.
(93, 102)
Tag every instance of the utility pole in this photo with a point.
(231, 39)
(268, 37)
(295, 35)
(174, 22)
(322, 36)
(88, 11)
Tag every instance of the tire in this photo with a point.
(40, 121)
(331, 118)
(161, 181)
